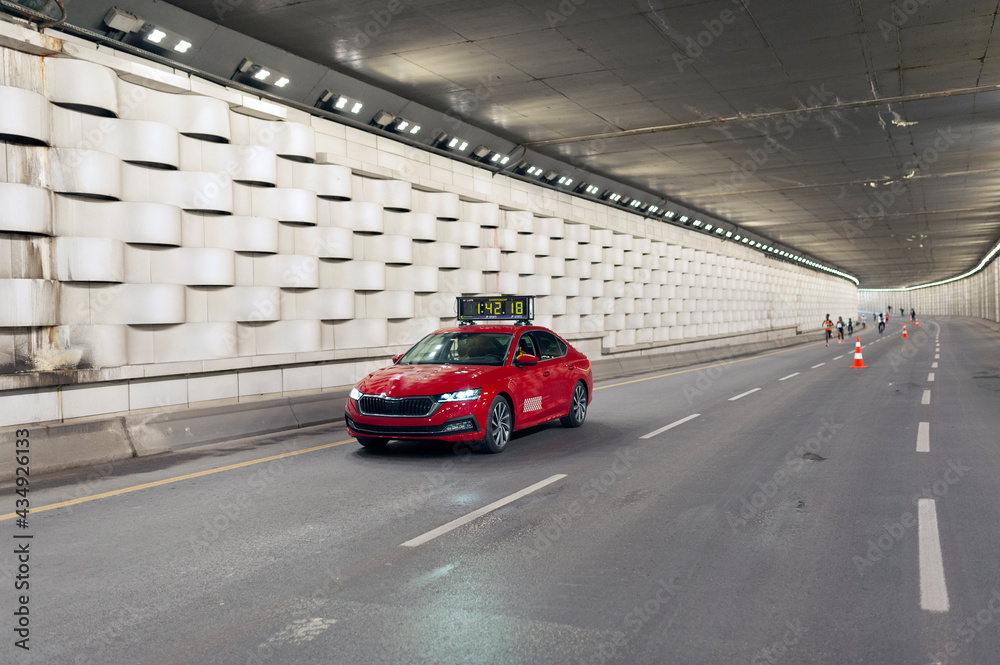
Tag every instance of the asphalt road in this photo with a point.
(783, 508)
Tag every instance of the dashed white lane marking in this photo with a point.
(465, 519)
(815, 366)
(924, 438)
(937, 356)
(838, 357)
(670, 426)
(926, 399)
(934, 365)
(788, 377)
(930, 376)
(749, 392)
(933, 590)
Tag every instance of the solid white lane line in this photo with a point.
(930, 376)
(926, 399)
(788, 377)
(924, 438)
(749, 392)
(670, 426)
(815, 366)
(934, 365)
(454, 524)
(933, 590)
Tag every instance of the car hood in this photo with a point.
(404, 380)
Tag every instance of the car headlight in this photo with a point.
(467, 395)
(355, 394)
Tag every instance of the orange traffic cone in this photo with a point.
(858, 360)
(904, 332)
(916, 322)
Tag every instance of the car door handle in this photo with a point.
(545, 373)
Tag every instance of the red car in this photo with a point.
(475, 383)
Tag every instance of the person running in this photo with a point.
(913, 314)
(881, 323)
(840, 330)
(850, 326)
(828, 326)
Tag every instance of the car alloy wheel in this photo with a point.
(499, 424)
(577, 407)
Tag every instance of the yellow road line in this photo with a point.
(695, 369)
(167, 481)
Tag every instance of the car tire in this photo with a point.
(499, 427)
(372, 444)
(577, 406)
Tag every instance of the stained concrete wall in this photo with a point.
(165, 241)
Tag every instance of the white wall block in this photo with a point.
(485, 259)
(82, 401)
(579, 233)
(506, 239)
(138, 141)
(26, 114)
(329, 181)
(441, 205)
(28, 303)
(193, 266)
(298, 206)
(360, 333)
(481, 214)
(464, 234)
(25, 209)
(390, 249)
(81, 84)
(602, 237)
(554, 266)
(355, 275)
(438, 254)
(84, 172)
(309, 377)
(192, 115)
(519, 263)
(209, 192)
(566, 286)
(292, 271)
(533, 244)
(419, 279)
(157, 393)
(501, 283)
(248, 164)
(393, 195)
(520, 221)
(420, 226)
(243, 234)
(213, 387)
(291, 140)
(260, 382)
(324, 304)
(579, 268)
(99, 346)
(539, 285)
(390, 305)
(412, 330)
(88, 260)
(359, 216)
(466, 282)
(287, 337)
(553, 227)
(326, 242)
(244, 303)
(142, 223)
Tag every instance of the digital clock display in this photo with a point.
(496, 308)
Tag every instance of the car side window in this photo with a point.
(525, 346)
(549, 345)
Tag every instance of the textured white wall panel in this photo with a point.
(390, 305)
(244, 303)
(192, 115)
(360, 333)
(324, 304)
(248, 164)
(466, 282)
(356, 275)
(292, 140)
(392, 195)
(288, 337)
(602, 237)
(84, 172)
(327, 242)
(520, 221)
(566, 286)
(25, 209)
(412, 330)
(579, 268)
(580, 305)
(360, 216)
(566, 324)
(420, 226)
(243, 234)
(209, 192)
(419, 279)
(554, 266)
(614, 256)
(82, 84)
(553, 227)
(26, 115)
(135, 304)
(439, 254)
(130, 140)
(291, 271)
(465, 234)
(298, 206)
(100, 346)
(436, 305)
(442, 205)
(481, 214)
(501, 282)
(484, 259)
(506, 240)
(28, 303)
(187, 342)
(533, 244)
(551, 305)
(193, 266)
(579, 233)
(88, 259)
(519, 263)
(539, 285)
(390, 249)
(327, 180)
(567, 249)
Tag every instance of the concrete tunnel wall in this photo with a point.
(977, 296)
(165, 241)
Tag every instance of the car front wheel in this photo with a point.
(499, 425)
(577, 407)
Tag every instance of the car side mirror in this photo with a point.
(395, 358)
(526, 360)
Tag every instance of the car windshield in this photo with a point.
(460, 348)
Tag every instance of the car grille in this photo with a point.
(406, 407)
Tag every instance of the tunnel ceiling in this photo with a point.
(866, 133)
